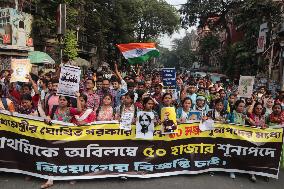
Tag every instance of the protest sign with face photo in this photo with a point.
(21, 68)
(193, 116)
(169, 122)
(145, 125)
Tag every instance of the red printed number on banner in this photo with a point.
(176, 135)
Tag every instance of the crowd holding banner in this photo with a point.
(103, 150)
(61, 125)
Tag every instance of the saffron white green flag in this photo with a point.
(136, 53)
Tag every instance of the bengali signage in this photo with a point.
(69, 80)
(169, 78)
(104, 150)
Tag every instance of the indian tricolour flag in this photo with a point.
(137, 53)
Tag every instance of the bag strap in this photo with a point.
(46, 102)
(5, 103)
(53, 110)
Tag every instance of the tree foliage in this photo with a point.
(214, 13)
(107, 22)
(183, 50)
(181, 55)
(246, 16)
(70, 45)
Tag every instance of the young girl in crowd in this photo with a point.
(105, 112)
(28, 108)
(87, 115)
(237, 116)
(63, 112)
(183, 112)
(256, 119)
(277, 115)
(148, 106)
(126, 107)
(218, 113)
(167, 101)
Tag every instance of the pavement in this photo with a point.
(202, 181)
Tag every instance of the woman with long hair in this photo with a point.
(105, 112)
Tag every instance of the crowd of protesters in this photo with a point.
(102, 98)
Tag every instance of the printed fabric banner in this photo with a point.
(102, 150)
(169, 78)
(21, 68)
(246, 86)
(69, 80)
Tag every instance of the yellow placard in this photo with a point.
(169, 121)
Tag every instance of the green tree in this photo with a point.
(184, 50)
(168, 58)
(108, 22)
(122, 21)
(208, 46)
(155, 17)
(214, 13)
(241, 58)
(70, 45)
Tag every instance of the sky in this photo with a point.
(166, 40)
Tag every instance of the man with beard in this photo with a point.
(145, 122)
(168, 124)
(106, 90)
(52, 98)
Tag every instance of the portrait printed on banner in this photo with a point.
(145, 125)
(169, 122)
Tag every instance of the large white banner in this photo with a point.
(69, 80)
(246, 86)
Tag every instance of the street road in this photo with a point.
(203, 181)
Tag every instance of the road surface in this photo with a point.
(202, 181)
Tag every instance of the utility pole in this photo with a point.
(270, 61)
(281, 67)
(16, 4)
